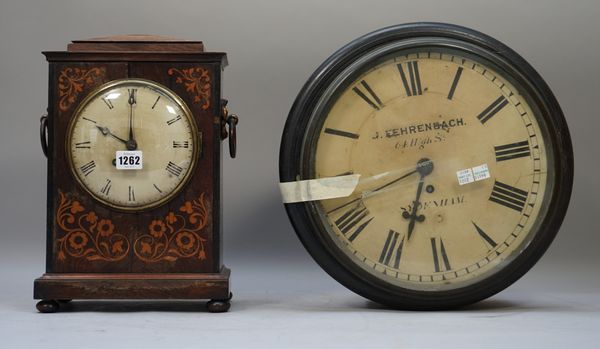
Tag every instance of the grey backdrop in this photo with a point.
(273, 46)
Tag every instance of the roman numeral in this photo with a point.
(157, 188)
(350, 219)
(131, 194)
(492, 109)
(106, 188)
(156, 101)
(374, 101)
(132, 93)
(108, 103)
(389, 247)
(455, 82)
(414, 88)
(485, 236)
(83, 145)
(508, 196)
(440, 257)
(88, 168)
(181, 144)
(512, 151)
(174, 169)
(174, 120)
(340, 133)
(90, 120)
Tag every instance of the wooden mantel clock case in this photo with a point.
(133, 140)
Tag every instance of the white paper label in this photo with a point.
(318, 189)
(129, 159)
(465, 176)
(473, 174)
(481, 172)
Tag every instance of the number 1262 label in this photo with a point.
(129, 159)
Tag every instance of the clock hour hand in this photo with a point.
(106, 132)
(424, 167)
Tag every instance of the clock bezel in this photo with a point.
(294, 149)
(188, 115)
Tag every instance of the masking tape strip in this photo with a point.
(318, 189)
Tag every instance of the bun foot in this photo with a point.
(219, 305)
(47, 306)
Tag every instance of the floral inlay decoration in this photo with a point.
(71, 82)
(176, 236)
(86, 235)
(197, 83)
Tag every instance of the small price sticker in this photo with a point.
(129, 160)
(465, 176)
(481, 172)
(473, 174)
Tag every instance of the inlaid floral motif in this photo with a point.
(176, 236)
(196, 81)
(71, 82)
(84, 235)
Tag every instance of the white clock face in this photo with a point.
(141, 117)
(456, 168)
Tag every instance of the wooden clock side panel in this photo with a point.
(71, 246)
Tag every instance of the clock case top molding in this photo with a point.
(95, 251)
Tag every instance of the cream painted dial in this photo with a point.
(134, 115)
(452, 165)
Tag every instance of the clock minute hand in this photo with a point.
(131, 143)
(370, 192)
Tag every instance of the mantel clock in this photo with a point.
(133, 140)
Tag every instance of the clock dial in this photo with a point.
(137, 116)
(458, 157)
(431, 115)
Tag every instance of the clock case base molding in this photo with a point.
(88, 64)
(53, 289)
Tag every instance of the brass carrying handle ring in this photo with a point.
(232, 121)
(44, 134)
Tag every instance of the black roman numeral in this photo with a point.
(392, 244)
(83, 145)
(492, 109)
(181, 144)
(485, 236)
(374, 101)
(174, 120)
(106, 188)
(108, 103)
(132, 95)
(512, 151)
(157, 188)
(88, 168)
(333, 131)
(455, 82)
(414, 88)
(440, 257)
(508, 196)
(156, 101)
(350, 219)
(131, 194)
(174, 169)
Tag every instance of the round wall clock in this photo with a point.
(426, 166)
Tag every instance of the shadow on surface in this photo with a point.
(127, 306)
